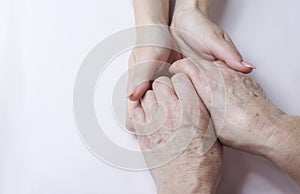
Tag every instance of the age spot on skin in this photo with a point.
(249, 83)
(253, 94)
(255, 89)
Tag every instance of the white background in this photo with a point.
(42, 44)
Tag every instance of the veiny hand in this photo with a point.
(195, 33)
(174, 106)
(243, 116)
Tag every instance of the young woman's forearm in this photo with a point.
(203, 5)
(151, 12)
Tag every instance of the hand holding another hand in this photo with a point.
(171, 122)
(196, 34)
(244, 118)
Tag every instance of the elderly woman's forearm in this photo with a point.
(286, 152)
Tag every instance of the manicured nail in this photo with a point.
(132, 92)
(246, 64)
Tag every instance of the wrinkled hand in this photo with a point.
(196, 34)
(172, 115)
(243, 116)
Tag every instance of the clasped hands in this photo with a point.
(207, 80)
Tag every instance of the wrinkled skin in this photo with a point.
(243, 116)
(193, 34)
(173, 105)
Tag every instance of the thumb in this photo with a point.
(225, 50)
(144, 63)
(140, 78)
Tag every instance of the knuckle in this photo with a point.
(149, 94)
(178, 78)
(161, 83)
(163, 79)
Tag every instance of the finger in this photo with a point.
(144, 63)
(225, 50)
(230, 42)
(189, 100)
(136, 114)
(139, 79)
(197, 77)
(183, 87)
(164, 91)
(138, 92)
(149, 104)
(129, 123)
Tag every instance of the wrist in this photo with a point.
(270, 134)
(151, 12)
(188, 184)
(286, 147)
(179, 189)
(283, 133)
(151, 20)
(200, 5)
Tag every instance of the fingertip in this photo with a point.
(163, 89)
(179, 66)
(247, 64)
(227, 52)
(139, 91)
(241, 66)
(173, 69)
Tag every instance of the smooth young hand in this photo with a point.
(196, 34)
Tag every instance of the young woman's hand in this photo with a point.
(196, 34)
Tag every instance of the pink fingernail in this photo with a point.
(132, 92)
(246, 64)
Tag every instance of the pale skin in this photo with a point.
(252, 123)
(176, 101)
(190, 16)
(192, 33)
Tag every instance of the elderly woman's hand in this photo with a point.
(171, 123)
(243, 116)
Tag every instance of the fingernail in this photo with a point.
(246, 64)
(132, 92)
